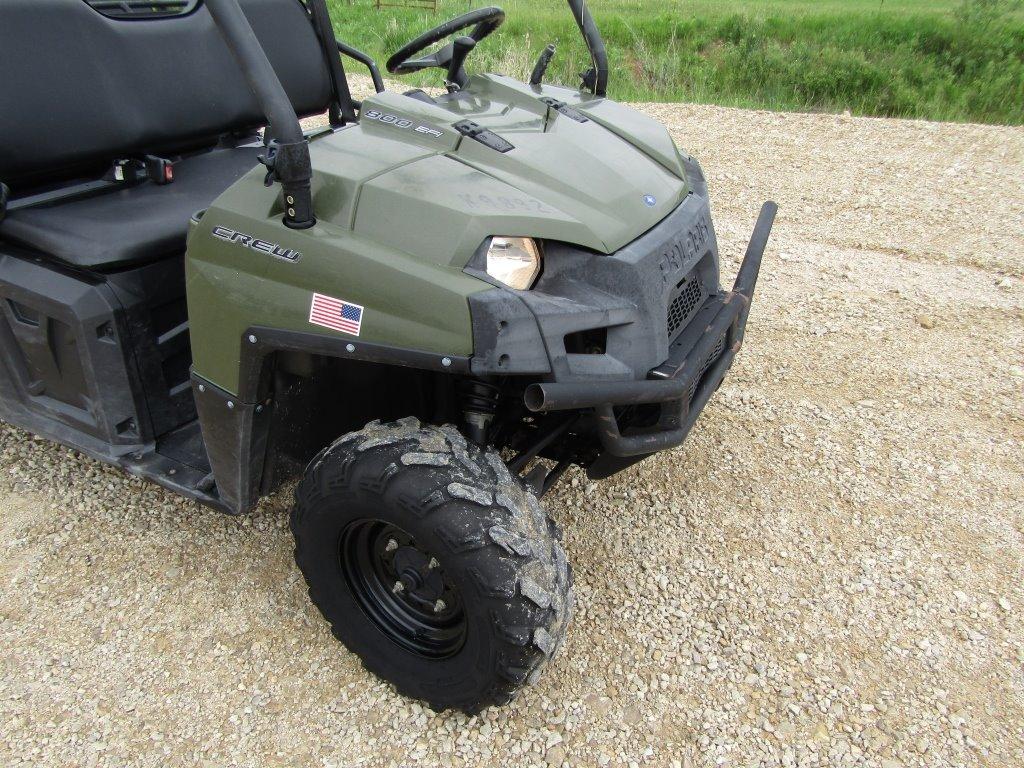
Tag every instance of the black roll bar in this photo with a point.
(342, 110)
(363, 58)
(596, 79)
(288, 155)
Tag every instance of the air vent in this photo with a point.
(142, 9)
(687, 297)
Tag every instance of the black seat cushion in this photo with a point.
(79, 90)
(130, 225)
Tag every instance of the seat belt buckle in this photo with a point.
(128, 171)
(159, 169)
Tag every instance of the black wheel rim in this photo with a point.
(402, 588)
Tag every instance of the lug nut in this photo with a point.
(392, 545)
(433, 563)
(439, 606)
(399, 588)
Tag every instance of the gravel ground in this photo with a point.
(828, 573)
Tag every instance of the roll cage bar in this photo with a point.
(596, 79)
(287, 158)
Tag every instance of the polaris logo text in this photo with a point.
(684, 250)
(254, 243)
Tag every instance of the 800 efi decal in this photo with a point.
(401, 122)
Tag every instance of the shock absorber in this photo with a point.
(479, 405)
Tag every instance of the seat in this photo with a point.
(81, 90)
(128, 226)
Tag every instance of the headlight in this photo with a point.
(515, 261)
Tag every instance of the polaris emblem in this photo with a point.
(650, 201)
(254, 243)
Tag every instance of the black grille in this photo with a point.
(142, 9)
(683, 304)
(712, 359)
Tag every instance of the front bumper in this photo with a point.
(697, 362)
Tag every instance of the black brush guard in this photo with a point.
(684, 383)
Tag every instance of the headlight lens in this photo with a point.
(515, 261)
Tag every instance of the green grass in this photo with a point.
(934, 59)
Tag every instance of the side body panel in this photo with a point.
(407, 302)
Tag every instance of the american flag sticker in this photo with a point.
(336, 314)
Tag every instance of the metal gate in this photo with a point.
(430, 5)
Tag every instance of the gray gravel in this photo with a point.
(828, 573)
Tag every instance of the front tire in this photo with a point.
(432, 563)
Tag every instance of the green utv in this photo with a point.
(426, 312)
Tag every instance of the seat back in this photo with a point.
(80, 89)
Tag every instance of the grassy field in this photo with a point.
(935, 59)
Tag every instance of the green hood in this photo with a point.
(403, 201)
(598, 184)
